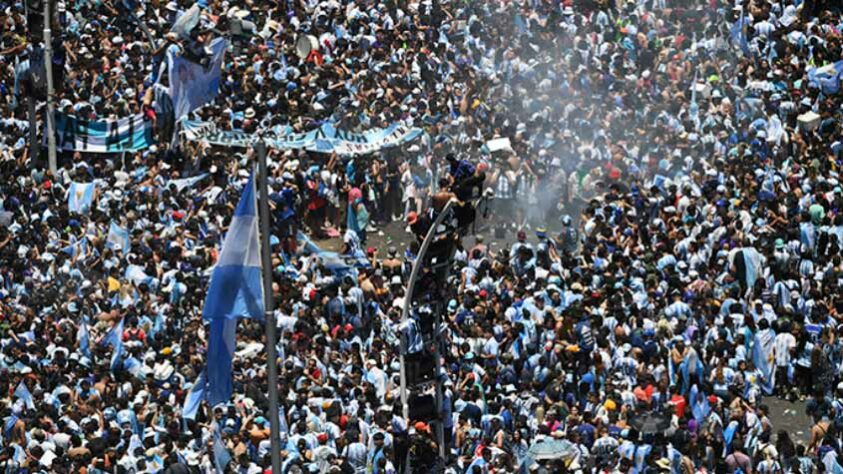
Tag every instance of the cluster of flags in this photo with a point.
(117, 239)
(80, 200)
(113, 338)
(192, 84)
(236, 291)
(81, 196)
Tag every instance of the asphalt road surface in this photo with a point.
(394, 234)
(791, 417)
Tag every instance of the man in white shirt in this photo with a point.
(490, 346)
(784, 344)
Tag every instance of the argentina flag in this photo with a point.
(221, 344)
(80, 197)
(236, 288)
(22, 392)
(221, 455)
(118, 238)
(763, 348)
(827, 78)
(194, 398)
(183, 183)
(114, 338)
(84, 338)
(738, 34)
(77, 247)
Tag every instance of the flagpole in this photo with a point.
(266, 266)
(48, 66)
(34, 143)
(405, 316)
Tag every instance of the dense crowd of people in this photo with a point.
(669, 187)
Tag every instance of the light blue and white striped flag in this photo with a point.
(114, 338)
(180, 184)
(738, 34)
(23, 393)
(194, 399)
(235, 291)
(827, 78)
(137, 275)
(221, 345)
(763, 347)
(77, 248)
(84, 338)
(80, 197)
(236, 288)
(118, 238)
(221, 454)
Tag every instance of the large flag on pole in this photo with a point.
(221, 345)
(236, 288)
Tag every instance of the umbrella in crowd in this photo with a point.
(548, 449)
